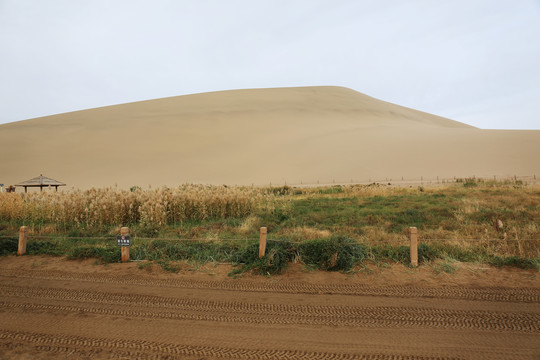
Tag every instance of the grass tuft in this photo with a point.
(332, 254)
(278, 255)
(8, 246)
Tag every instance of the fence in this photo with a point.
(263, 239)
(405, 181)
(395, 180)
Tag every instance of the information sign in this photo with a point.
(123, 240)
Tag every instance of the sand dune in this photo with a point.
(257, 136)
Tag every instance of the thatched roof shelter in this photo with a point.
(41, 182)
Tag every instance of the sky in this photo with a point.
(474, 61)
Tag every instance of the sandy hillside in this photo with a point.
(259, 136)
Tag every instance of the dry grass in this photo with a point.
(363, 191)
(303, 233)
(152, 208)
(250, 224)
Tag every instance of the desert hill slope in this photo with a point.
(257, 136)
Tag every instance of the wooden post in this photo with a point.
(413, 237)
(125, 249)
(262, 242)
(23, 232)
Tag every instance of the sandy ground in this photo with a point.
(261, 136)
(52, 308)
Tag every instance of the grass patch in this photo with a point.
(278, 255)
(388, 252)
(445, 267)
(103, 254)
(333, 254)
(515, 261)
(8, 246)
(169, 266)
(46, 247)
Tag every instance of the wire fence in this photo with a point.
(113, 237)
(410, 180)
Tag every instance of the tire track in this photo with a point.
(267, 313)
(146, 349)
(528, 295)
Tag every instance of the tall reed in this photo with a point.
(152, 207)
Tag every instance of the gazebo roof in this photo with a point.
(40, 181)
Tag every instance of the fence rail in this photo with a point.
(38, 237)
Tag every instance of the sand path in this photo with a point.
(53, 308)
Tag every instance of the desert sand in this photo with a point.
(258, 136)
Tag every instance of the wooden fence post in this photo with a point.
(262, 242)
(23, 232)
(413, 237)
(125, 249)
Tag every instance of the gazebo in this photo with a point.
(41, 182)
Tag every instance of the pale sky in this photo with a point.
(474, 61)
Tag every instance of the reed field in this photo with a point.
(96, 211)
(331, 228)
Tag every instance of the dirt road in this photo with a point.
(52, 308)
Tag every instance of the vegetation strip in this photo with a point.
(328, 228)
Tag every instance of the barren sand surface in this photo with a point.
(53, 308)
(258, 136)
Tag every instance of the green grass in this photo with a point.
(349, 215)
(515, 261)
(330, 254)
(8, 246)
(107, 254)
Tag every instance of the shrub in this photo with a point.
(8, 246)
(470, 182)
(333, 254)
(278, 254)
